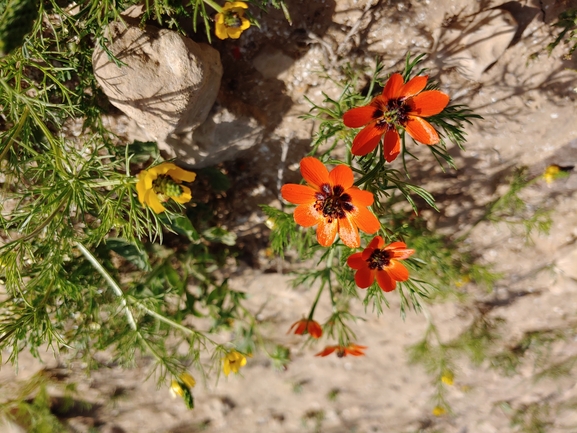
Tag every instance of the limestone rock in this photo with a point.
(220, 138)
(472, 46)
(168, 82)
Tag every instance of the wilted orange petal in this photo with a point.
(327, 351)
(300, 327)
(314, 329)
(428, 103)
(366, 140)
(393, 87)
(421, 130)
(298, 194)
(364, 277)
(360, 116)
(314, 171)
(366, 221)
(355, 261)
(306, 215)
(392, 146)
(326, 232)
(414, 86)
(355, 350)
(397, 271)
(342, 175)
(386, 283)
(348, 232)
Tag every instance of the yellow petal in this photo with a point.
(162, 168)
(231, 5)
(185, 197)
(234, 32)
(141, 188)
(226, 367)
(179, 175)
(153, 201)
(220, 31)
(219, 19)
(245, 24)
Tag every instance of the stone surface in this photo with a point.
(168, 83)
(220, 138)
(474, 46)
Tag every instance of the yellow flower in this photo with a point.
(161, 182)
(182, 388)
(551, 173)
(232, 362)
(230, 22)
(187, 379)
(447, 378)
(439, 410)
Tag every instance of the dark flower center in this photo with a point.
(393, 112)
(165, 185)
(379, 259)
(341, 352)
(232, 19)
(333, 203)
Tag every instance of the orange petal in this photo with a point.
(421, 130)
(327, 351)
(314, 171)
(355, 350)
(377, 242)
(300, 327)
(428, 103)
(348, 231)
(342, 175)
(366, 220)
(414, 86)
(355, 261)
(298, 194)
(360, 116)
(396, 245)
(314, 329)
(392, 146)
(393, 87)
(360, 197)
(397, 271)
(307, 216)
(386, 283)
(327, 231)
(364, 277)
(366, 140)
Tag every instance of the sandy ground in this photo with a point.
(530, 119)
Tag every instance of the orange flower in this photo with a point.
(382, 262)
(331, 202)
(307, 326)
(400, 105)
(352, 349)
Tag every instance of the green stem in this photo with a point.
(213, 5)
(371, 174)
(172, 323)
(16, 133)
(316, 302)
(115, 288)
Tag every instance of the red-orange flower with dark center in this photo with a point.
(305, 326)
(352, 349)
(332, 203)
(382, 263)
(400, 105)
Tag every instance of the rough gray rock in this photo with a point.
(168, 82)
